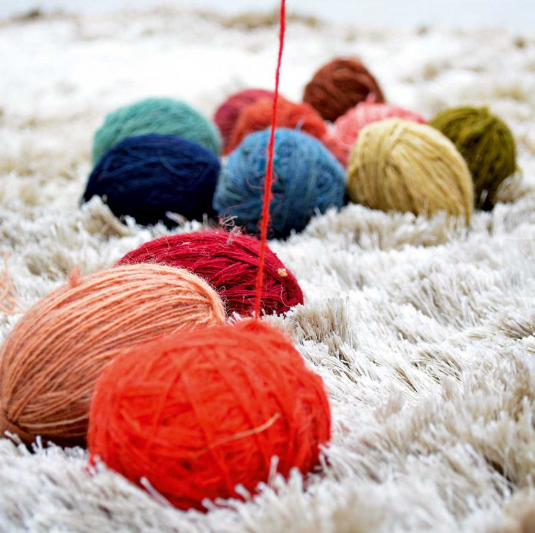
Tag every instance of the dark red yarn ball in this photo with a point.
(200, 412)
(292, 115)
(229, 111)
(229, 263)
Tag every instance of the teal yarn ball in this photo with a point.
(162, 116)
(307, 179)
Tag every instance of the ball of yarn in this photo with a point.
(340, 85)
(163, 116)
(51, 360)
(307, 178)
(405, 166)
(228, 112)
(487, 145)
(198, 413)
(345, 131)
(257, 117)
(229, 263)
(148, 176)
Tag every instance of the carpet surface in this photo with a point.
(422, 331)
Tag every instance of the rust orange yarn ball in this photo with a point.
(51, 360)
(340, 85)
(199, 413)
(291, 115)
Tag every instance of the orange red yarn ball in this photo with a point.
(200, 412)
(229, 111)
(345, 131)
(291, 115)
(229, 263)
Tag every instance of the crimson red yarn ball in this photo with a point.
(345, 131)
(229, 263)
(257, 117)
(228, 112)
(200, 412)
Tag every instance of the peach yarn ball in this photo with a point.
(51, 360)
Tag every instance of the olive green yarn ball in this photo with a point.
(487, 145)
(163, 116)
(399, 165)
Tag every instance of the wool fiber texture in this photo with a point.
(422, 330)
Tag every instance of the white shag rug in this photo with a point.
(423, 332)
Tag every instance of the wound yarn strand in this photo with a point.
(269, 170)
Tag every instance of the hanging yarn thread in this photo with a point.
(162, 116)
(51, 359)
(345, 131)
(229, 263)
(257, 117)
(149, 176)
(229, 111)
(409, 167)
(269, 169)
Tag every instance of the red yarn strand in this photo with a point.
(269, 170)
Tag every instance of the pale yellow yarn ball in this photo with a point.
(398, 165)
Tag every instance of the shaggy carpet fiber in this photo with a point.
(422, 331)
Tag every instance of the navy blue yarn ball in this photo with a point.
(149, 175)
(307, 178)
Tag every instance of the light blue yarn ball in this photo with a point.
(307, 178)
(162, 116)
